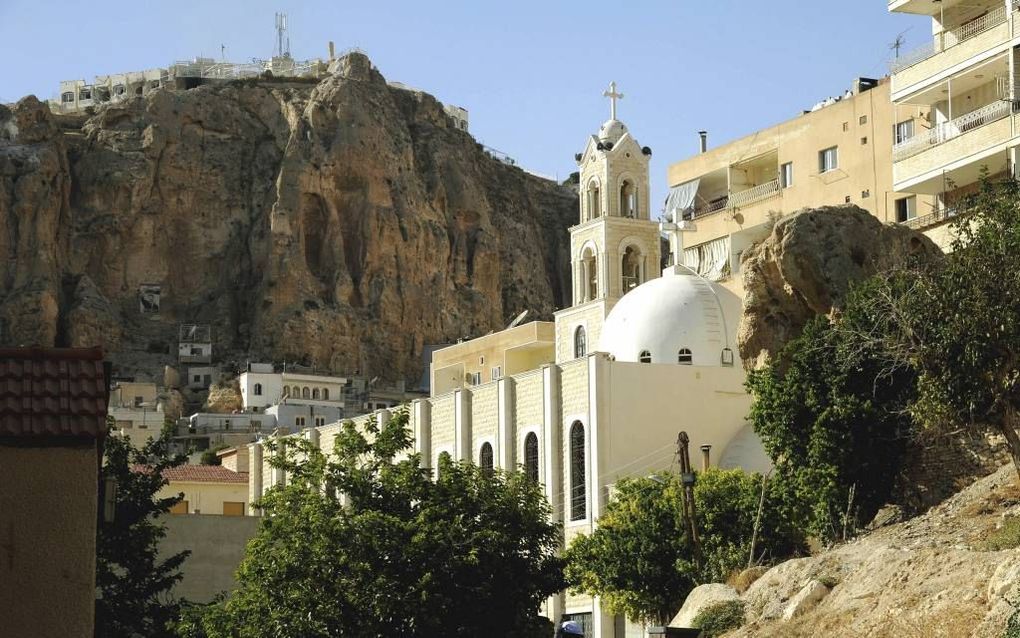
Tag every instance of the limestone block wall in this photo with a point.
(591, 316)
(483, 417)
(443, 430)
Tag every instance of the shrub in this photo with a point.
(718, 618)
(1006, 537)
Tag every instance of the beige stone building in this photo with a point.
(600, 394)
(836, 153)
(209, 489)
(965, 76)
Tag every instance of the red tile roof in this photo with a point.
(46, 392)
(204, 474)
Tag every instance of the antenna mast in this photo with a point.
(281, 35)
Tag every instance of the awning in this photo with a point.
(680, 201)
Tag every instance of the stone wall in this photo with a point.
(217, 545)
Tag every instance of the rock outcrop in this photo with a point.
(939, 574)
(342, 224)
(806, 265)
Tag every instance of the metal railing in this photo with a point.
(710, 208)
(932, 219)
(951, 37)
(756, 194)
(952, 129)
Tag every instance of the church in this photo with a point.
(602, 392)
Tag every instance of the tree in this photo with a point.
(830, 412)
(364, 543)
(640, 560)
(132, 583)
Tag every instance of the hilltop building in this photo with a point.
(965, 78)
(602, 392)
(835, 153)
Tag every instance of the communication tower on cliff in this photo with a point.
(282, 39)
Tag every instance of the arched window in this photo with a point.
(531, 456)
(67, 97)
(306, 393)
(628, 199)
(594, 200)
(258, 389)
(645, 357)
(315, 393)
(295, 392)
(578, 484)
(684, 357)
(580, 347)
(590, 272)
(631, 268)
(485, 457)
(325, 394)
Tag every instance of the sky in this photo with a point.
(531, 73)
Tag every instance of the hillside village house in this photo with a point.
(52, 426)
(137, 412)
(965, 77)
(600, 393)
(836, 153)
(208, 489)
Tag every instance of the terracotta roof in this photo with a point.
(48, 392)
(205, 474)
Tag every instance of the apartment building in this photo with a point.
(965, 76)
(836, 153)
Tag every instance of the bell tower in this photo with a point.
(615, 245)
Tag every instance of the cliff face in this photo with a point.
(344, 223)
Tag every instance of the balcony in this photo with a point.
(741, 199)
(954, 150)
(950, 48)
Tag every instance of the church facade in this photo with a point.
(601, 393)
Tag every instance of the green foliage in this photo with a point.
(398, 554)
(132, 583)
(831, 418)
(642, 563)
(1006, 537)
(718, 618)
(1013, 623)
(209, 456)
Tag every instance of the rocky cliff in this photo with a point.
(342, 223)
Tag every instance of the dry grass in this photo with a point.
(954, 623)
(742, 580)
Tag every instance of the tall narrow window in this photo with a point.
(594, 200)
(325, 394)
(485, 457)
(531, 456)
(306, 393)
(828, 159)
(258, 389)
(684, 357)
(786, 175)
(630, 267)
(580, 346)
(645, 357)
(906, 209)
(628, 200)
(578, 484)
(590, 274)
(315, 393)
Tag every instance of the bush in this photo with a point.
(718, 618)
(1006, 537)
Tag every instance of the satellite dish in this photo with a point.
(518, 319)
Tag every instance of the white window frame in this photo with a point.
(910, 203)
(786, 175)
(824, 157)
(903, 131)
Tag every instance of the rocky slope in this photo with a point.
(344, 224)
(806, 265)
(937, 575)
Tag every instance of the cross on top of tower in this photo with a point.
(613, 96)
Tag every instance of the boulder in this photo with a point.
(806, 599)
(701, 597)
(805, 267)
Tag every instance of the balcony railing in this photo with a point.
(950, 38)
(932, 219)
(758, 193)
(747, 197)
(952, 129)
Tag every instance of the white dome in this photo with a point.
(668, 314)
(612, 131)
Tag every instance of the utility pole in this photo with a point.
(687, 480)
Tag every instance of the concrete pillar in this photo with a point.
(382, 417)
(422, 411)
(603, 625)
(551, 456)
(552, 439)
(598, 394)
(462, 424)
(254, 477)
(313, 435)
(279, 474)
(505, 449)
